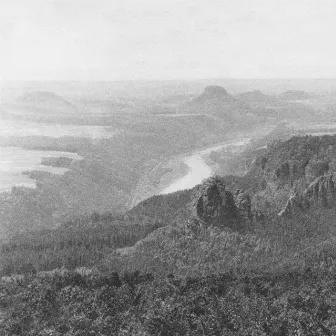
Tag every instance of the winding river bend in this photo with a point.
(198, 168)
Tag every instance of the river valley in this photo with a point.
(199, 168)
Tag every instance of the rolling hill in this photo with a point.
(46, 102)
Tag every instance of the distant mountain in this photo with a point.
(257, 96)
(295, 95)
(44, 101)
(214, 95)
(289, 105)
(215, 100)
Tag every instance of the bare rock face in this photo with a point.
(320, 192)
(243, 203)
(293, 205)
(214, 205)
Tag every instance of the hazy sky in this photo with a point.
(166, 39)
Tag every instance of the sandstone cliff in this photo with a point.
(215, 205)
(321, 192)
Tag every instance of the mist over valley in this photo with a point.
(123, 153)
(167, 168)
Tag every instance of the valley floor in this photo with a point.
(199, 169)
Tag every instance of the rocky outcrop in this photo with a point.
(243, 203)
(293, 204)
(321, 192)
(214, 205)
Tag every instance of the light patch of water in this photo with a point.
(14, 161)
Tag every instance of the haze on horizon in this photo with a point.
(166, 39)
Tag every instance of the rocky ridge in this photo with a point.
(320, 192)
(214, 205)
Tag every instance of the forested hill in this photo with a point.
(88, 240)
(195, 255)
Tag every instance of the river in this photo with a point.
(198, 168)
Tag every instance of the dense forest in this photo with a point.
(67, 303)
(158, 269)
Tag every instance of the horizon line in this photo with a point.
(166, 79)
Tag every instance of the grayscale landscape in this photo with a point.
(167, 168)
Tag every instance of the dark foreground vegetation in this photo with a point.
(87, 240)
(70, 303)
(179, 280)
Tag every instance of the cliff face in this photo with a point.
(321, 192)
(293, 175)
(214, 205)
(290, 171)
(297, 157)
(244, 205)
